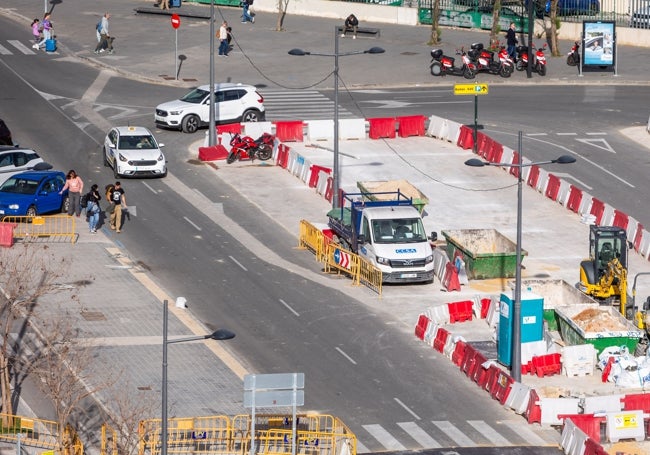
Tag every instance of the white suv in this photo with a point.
(14, 160)
(233, 103)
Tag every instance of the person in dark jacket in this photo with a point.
(511, 40)
(351, 25)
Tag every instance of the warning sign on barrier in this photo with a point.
(342, 259)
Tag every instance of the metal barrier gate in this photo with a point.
(40, 433)
(315, 435)
(34, 227)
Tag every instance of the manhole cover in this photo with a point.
(410, 53)
(93, 315)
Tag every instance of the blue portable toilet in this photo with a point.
(531, 322)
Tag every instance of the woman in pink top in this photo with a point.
(75, 187)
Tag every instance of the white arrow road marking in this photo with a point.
(605, 145)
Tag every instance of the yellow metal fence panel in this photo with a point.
(109, 441)
(55, 227)
(370, 276)
(313, 239)
(40, 433)
(315, 435)
(342, 260)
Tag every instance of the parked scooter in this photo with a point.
(484, 60)
(539, 59)
(441, 65)
(245, 148)
(573, 57)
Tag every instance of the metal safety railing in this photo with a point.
(40, 433)
(338, 259)
(38, 227)
(315, 435)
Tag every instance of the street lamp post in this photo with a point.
(220, 335)
(515, 362)
(336, 177)
(211, 119)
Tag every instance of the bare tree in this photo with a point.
(27, 272)
(435, 21)
(496, 28)
(555, 25)
(282, 13)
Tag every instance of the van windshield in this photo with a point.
(403, 230)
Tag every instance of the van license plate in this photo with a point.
(408, 275)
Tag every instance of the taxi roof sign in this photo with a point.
(470, 89)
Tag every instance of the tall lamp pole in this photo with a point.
(219, 335)
(515, 363)
(211, 119)
(336, 177)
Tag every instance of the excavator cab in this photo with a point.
(604, 274)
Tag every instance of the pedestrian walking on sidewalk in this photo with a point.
(75, 187)
(222, 35)
(46, 28)
(246, 15)
(106, 40)
(164, 4)
(511, 41)
(116, 196)
(93, 208)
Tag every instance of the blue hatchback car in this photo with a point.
(33, 193)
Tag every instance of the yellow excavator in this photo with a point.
(604, 275)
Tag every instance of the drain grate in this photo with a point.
(93, 315)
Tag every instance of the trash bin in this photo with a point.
(175, 3)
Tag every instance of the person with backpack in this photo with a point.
(106, 40)
(98, 29)
(246, 15)
(93, 208)
(116, 196)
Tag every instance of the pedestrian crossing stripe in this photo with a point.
(21, 47)
(4, 50)
(300, 104)
(484, 432)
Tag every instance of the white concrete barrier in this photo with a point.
(607, 403)
(453, 131)
(518, 398)
(552, 407)
(352, 128)
(439, 314)
(256, 129)
(320, 130)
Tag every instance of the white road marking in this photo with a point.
(526, 433)
(350, 359)
(597, 133)
(361, 448)
(4, 50)
(398, 401)
(150, 188)
(289, 307)
(238, 263)
(605, 145)
(420, 436)
(384, 437)
(454, 433)
(489, 432)
(21, 47)
(192, 224)
(567, 134)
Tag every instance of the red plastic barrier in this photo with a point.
(491, 378)
(483, 143)
(458, 356)
(638, 237)
(450, 281)
(328, 191)
(283, 156)
(229, 128)
(381, 128)
(412, 125)
(597, 210)
(290, 131)
(514, 170)
(575, 198)
(587, 423)
(470, 353)
(502, 387)
(620, 219)
(466, 137)
(460, 311)
(440, 339)
(527, 368)
(593, 448)
(636, 401)
(485, 307)
(533, 412)
(421, 326)
(481, 375)
(548, 364)
(216, 152)
(475, 367)
(495, 151)
(552, 187)
(313, 176)
(533, 176)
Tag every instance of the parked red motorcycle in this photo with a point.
(485, 61)
(539, 59)
(442, 65)
(247, 148)
(573, 57)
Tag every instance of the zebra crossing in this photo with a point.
(438, 434)
(286, 104)
(18, 47)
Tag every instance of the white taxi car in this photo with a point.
(132, 151)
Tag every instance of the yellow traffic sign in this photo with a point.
(470, 89)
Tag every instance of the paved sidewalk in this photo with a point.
(144, 49)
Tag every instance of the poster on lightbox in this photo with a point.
(598, 48)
